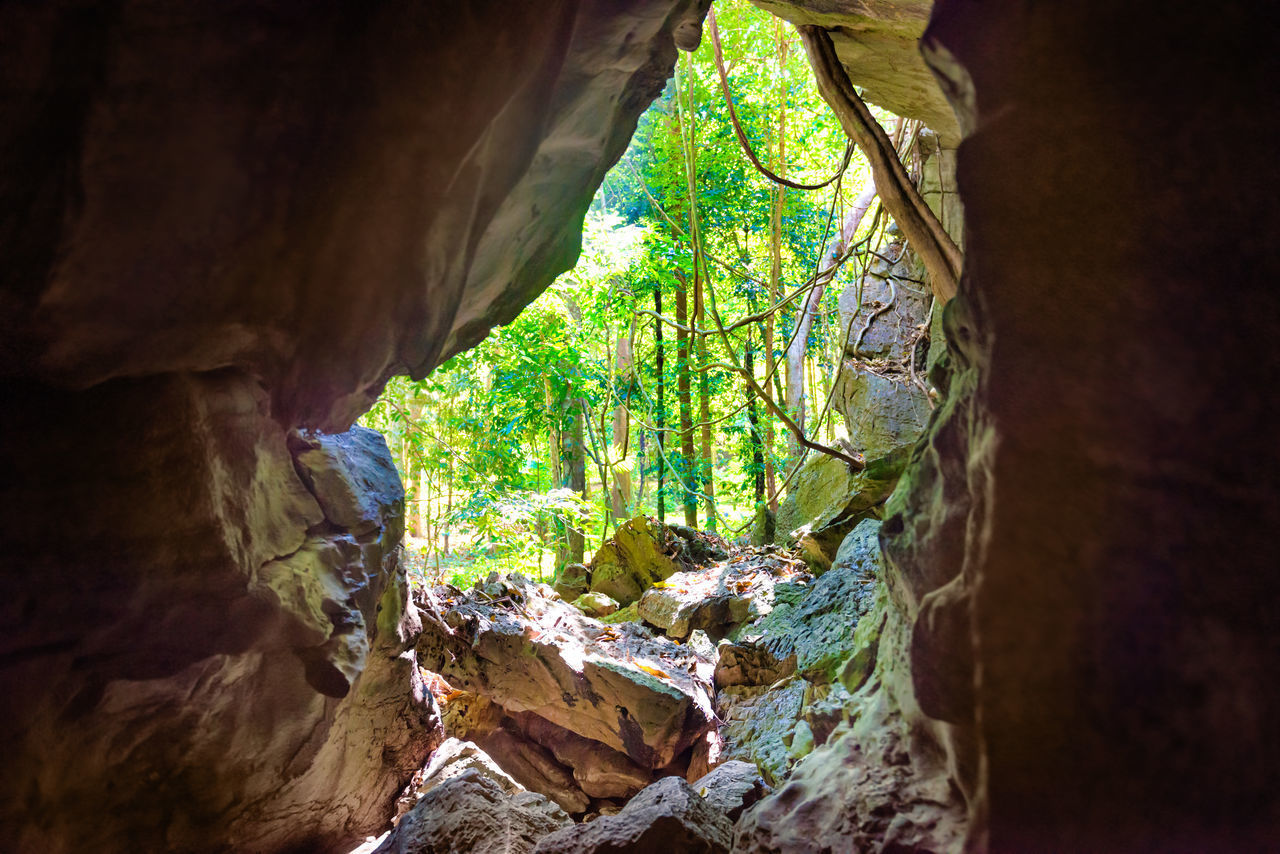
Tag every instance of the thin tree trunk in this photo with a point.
(827, 270)
(706, 462)
(753, 419)
(576, 468)
(942, 258)
(448, 508)
(421, 514)
(683, 392)
(775, 265)
(623, 371)
(660, 364)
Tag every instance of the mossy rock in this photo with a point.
(639, 555)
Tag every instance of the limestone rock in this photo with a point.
(228, 222)
(572, 581)
(827, 709)
(839, 798)
(454, 757)
(819, 630)
(732, 787)
(535, 768)
(641, 552)
(668, 817)
(877, 42)
(883, 409)
(350, 479)
(826, 499)
(860, 550)
(758, 724)
(209, 624)
(629, 614)
(873, 773)
(751, 663)
(528, 651)
(246, 281)
(598, 770)
(713, 602)
(471, 812)
(595, 605)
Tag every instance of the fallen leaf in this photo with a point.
(652, 671)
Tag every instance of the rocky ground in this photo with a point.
(646, 701)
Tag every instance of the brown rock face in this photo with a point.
(205, 186)
(209, 655)
(1119, 551)
(220, 224)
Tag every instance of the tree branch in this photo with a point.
(935, 247)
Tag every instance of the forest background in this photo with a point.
(673, 370)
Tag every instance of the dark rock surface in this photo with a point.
(668, 817)
(223, 224)
(471, 812)
(1119, 543)
(207, 641)
(218, 180)
(732, 787)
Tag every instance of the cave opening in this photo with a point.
(984, 563)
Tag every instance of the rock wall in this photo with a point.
(209, 639)
(1080, 548)
(224, 226)
(1116, 314)
(1079, 553)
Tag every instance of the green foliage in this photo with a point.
(475, 440)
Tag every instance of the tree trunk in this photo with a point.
(448, 508)
(683, 393)
(753, 419)
(421, 515)
(706, 462)
(827, 270)
(623, 372)
(575, 465)
(660, 364)
(775, 266)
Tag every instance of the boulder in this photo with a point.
(732, 787)
(595, 605)
(759, 723)
(454, 757)
(827, 500)
(855, 794)
(643, 551)
(668, 817)
(535, 768)
(819, 629)
(871, 774)
(713, 603)
(351, 475)
(527, 651)
(598, 770)
(884, 410)
(751, 663)
(572, 581)
(473, 812)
